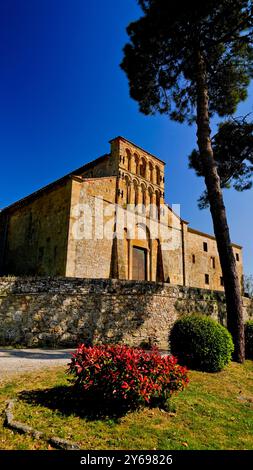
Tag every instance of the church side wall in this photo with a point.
(201, 263)
(36, 234)
(59, 312)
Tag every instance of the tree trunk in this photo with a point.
(235, 322)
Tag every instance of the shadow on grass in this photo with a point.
(68, 400)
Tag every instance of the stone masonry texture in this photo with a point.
(62, 312)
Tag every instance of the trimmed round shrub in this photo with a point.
(118, 373)
(249, 339)
(201, 343)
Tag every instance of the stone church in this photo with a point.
(71, 227)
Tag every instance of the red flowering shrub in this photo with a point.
(128, 374)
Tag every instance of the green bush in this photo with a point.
(201, 343)
(249, 339)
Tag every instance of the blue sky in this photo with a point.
(63, 97)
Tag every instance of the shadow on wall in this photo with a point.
(60, 312)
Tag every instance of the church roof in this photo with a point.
(57, 182)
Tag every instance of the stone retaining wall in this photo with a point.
(60, 312)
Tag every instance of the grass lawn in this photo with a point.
(214, 412)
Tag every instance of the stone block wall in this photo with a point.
(91, 257)
(36, 232)
(200, 263)
(61, 312)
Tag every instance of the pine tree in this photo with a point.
(191, 60)
(233, 153)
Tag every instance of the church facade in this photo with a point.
(109, 219)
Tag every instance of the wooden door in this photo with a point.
(139, 264)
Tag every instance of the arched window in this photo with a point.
(135, 193)
(148, 196)
(143, 167)
(158, 175)
(157, 198)
(128, 156)
(128, 194)
(151, 172)
(152, 209)
(143, 197)
(137, 164)
(157, 195)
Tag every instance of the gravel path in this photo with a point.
(17, 361)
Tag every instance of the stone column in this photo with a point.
(139, 195)
(148, 265)
(137, 161)
(130, 163)
(147, 203)
(153, 257)
(153, 205)
(132, 193)
(121, 254)
(139, 199)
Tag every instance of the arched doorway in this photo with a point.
(139, 267)
(140, 254)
